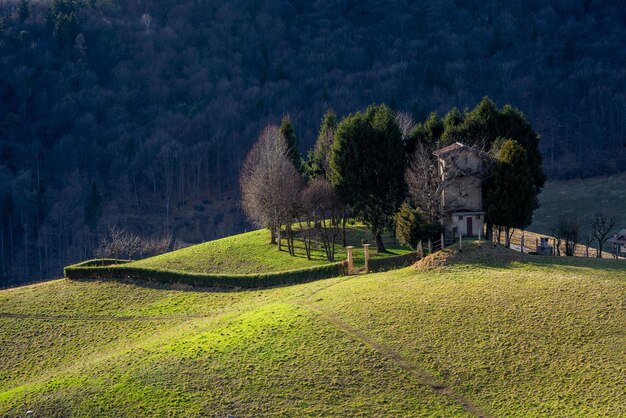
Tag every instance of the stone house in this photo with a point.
(461, 168)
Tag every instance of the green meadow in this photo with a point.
(474, 333)
(252, 252)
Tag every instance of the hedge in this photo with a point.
(89, 270)
(100, 262)
(115, 269)
(388, 263)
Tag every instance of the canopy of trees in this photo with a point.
(367, 167)
(157, 103)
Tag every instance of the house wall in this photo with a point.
(465, 192)
(456, 226)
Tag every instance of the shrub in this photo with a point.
(411, 226)
(88, 270)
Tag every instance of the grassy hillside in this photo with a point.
(252, 253)
(582, 197)
(480, 332)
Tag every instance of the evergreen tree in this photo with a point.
(289, 133)
(412, 226)
(93, 206)
(427, 133)
(367, 167)
(511, 198)
(319, 158)
(23, 10)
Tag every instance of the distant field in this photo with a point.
(582, 197)
(484, 331)
(252, 253)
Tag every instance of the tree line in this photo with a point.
(139, 115)
(380, 167)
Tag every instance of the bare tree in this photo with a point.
(566, 230)
(270, 185)
(322, 216)
(427, 181)
(156, 246)
(146, 19)
(601, 226)
(406, 123)
(588, 237)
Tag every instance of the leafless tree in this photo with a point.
(322, 216)
(567, 230)
(406, 123)
(587, 237)
(156, 246)
(601, 226)
(146, 19)
(270, 185)
(427, 181)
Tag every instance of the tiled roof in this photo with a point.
(619, 238)
(457, 146)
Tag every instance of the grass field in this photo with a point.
(252, 253)
(481, 332)
(581, 197)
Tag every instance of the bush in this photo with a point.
(88, 270)
(388, 263)
(411, 226)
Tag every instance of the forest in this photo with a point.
(138, 115)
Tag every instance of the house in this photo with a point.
(461, 168)
(619, 243)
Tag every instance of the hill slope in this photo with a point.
(148, 108)
(502, 337)
(582, 197)
(251, 253)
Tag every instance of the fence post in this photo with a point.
(366, 254)
(430, 247)
(461, 241)
(420, 249)
(349, 248)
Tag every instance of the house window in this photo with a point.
(460, 217)
(477, 216)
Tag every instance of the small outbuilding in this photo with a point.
(619, 243)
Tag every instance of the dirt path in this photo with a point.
(423, 376)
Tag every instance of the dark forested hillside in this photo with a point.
(139, 114)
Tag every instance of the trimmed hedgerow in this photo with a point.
(120, 271)
(101, 262)
(388, 263)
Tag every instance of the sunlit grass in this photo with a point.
(251, 252)
(516, 336)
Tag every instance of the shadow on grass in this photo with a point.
(495, 256)
(181, 287)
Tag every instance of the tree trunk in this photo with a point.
(380, 246)
(488, 231)
(507, 237)
(343, 230)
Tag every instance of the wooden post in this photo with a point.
(349, 248)
(461, 241)
(420, 249)
(366, 254)
(522, 246)
(430, 247)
